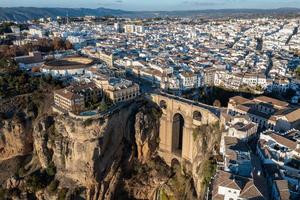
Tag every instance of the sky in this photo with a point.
(154, 5)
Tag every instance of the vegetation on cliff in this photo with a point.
(14, 81)
(156, 180)
(100, 158)
(207, 138)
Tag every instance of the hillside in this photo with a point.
(28, 13)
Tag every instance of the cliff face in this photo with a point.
(15, 138)
(17, 116)
(105, 158)
(94, 153)
(207, 139)
(146, 133)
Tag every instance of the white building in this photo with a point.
(282, 150)
(37, 32)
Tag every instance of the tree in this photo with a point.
(5, 27)
(58, 44)
(297, 71)
(68, 45)
(51, 169)
(44, 45)
(103, 106)
(53, 186)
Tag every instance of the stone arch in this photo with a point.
(177, 133)
(197, 115)
(163, 104)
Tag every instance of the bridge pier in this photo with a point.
(177, 124)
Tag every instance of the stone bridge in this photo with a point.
(180, 117)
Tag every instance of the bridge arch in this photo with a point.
(179, 118)
(177, 133)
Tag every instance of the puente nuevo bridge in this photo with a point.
(180, 117)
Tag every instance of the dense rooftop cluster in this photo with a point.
(113, 62)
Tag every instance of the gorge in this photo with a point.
(50, 156)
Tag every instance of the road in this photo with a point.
(215, 110)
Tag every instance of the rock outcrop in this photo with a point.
(102, 158)
(15, 137)
(207, 140)
(93, 153)
(147, 133)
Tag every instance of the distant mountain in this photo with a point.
(225, 12)
(28, 13)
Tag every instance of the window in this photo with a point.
(197, 116)
(163, 104)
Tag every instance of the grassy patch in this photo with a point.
(62, 194)
(163, 195)
(208, 170)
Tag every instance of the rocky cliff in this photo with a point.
(16, 125)
(17, 117)
(111, 157)
(85, 153)
(16, 137)
(207, 140)
(92, 155)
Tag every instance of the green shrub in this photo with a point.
(163, 195)
(103, 106)
(51, 169)
(40, 179)
(195, 134)
(208, 170)
(62, 194)
(297, 71)
(3, 193)
(35, 182)
(88, 122)
(155, 113)
(21, 172)
(53, 186)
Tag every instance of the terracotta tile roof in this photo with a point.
(283, 141)
(233, 184)
(243, 108)
(283, 189)
(250, 191)
(239, 99)
(230, 140)
(246, 186)
(273, 101)
(67, 94)
(293, 116)
(218, 197)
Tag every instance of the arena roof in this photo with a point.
(68, 63)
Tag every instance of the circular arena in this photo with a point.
(68, 66)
